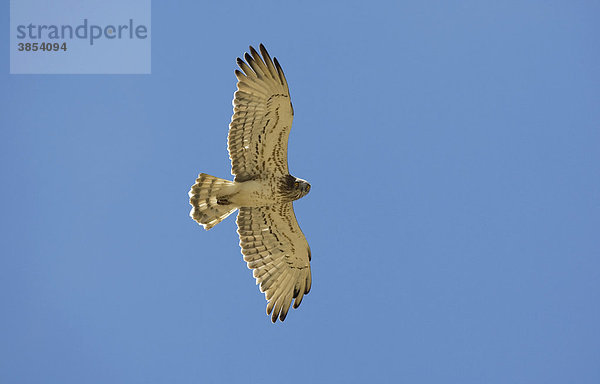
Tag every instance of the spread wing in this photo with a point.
(275, 248)
(262, 118)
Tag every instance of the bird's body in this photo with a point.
(263, 190)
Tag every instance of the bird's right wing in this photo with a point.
(262, 118)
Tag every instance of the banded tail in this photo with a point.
(208, 198)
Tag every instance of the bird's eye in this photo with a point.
(296, 184)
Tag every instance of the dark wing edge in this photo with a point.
(275, 248)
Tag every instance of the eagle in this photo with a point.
(263, 190)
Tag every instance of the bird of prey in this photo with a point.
(263, 190)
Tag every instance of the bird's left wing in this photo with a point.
(275, 248)
(262, 118)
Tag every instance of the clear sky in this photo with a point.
(453, 152)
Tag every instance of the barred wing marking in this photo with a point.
(275, 248)
(262, 118)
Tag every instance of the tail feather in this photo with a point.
(208, 198)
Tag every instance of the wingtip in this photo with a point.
(274, 315)
(253, 51)
(280, 71)
(282, 316)
(298, 301)
(264, 51)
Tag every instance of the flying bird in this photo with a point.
(263, 190)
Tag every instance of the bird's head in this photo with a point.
(302, 187)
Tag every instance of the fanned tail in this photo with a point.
(208, 198)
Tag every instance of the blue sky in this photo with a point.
(452, 149)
